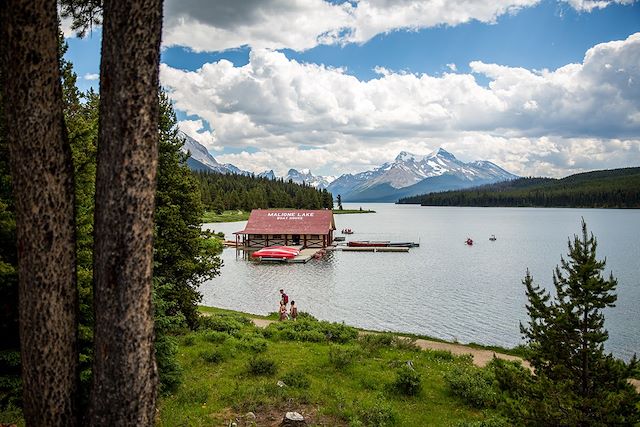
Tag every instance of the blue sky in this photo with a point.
(344, 88)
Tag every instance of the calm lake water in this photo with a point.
(444, 288)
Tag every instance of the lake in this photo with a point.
(444, 288)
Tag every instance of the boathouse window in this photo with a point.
(314, 236)
(277, 236)
(257, 236)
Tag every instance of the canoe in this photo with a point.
(276, 252)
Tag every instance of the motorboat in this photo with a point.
(493, 238)
(469, 241)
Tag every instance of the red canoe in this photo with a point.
(276, 252)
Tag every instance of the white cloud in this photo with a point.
(196, 130)
(304, 24)
(452, 67)
(91, 76)
(570, 117)
(589, 5)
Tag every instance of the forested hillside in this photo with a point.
(615, 188)
(230, 192)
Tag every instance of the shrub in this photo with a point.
(262, 366)
(253, 343)
(311, 336)
(212, 356)
(296, 379)
(215, 336)
(474, 385)
(407, 344)
(342, 357)
(228, 323)
(311, 330)
(511, 377)
(376, 413)
(188, 340)
(374, 342)
(493, 421)
(443, 355)
(408, 382)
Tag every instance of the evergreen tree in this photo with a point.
(339, 202)
(576, 383)
(181, 258)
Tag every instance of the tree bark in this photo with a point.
(124, 371)
(42, 179)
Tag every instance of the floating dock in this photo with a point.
(370, 249)
(305, 255)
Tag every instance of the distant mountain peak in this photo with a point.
(405, 156)
(438, 170)
(442, 153)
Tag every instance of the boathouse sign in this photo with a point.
(290, 215)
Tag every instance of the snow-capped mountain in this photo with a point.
(270, 174)
(410, 174)
(201, 159)
(305, 175)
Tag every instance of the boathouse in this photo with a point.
(287, 227)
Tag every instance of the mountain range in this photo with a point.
(408, 175)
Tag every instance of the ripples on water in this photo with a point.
(443, 288)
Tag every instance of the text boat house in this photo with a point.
(288, 227)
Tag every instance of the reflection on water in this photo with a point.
(444, 288)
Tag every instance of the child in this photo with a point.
(294, 311)
(283, 311)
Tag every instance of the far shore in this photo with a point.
(239, 215)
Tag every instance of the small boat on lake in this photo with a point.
(469, 241)
(347, 231)
(493, 238)
(276, 253)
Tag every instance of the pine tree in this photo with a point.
(576, 383)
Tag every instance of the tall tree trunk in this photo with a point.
(42, 177)
(124, 371)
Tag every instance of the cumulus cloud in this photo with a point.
(589, 5)
(277, 105)
(91, 76)
(304, 24)
(196, 130)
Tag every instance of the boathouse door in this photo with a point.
(295, 238)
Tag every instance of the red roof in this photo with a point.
(289, 221)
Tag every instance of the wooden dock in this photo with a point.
(305, 255)
(370, 249)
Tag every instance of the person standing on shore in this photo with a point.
(293, 313)
(283, 311)
(284, 298)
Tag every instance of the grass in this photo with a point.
(352, 211)
(333, 377)
(226, 216)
